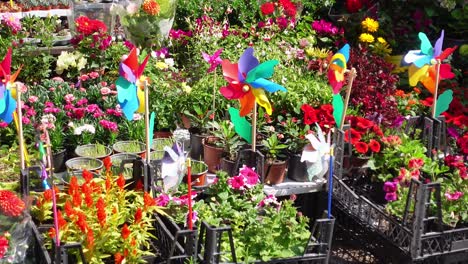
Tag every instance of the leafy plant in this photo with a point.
(227, 137)
(274, 148)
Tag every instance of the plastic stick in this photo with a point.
(147, 123)
(20, 128)
(254, 128)
(330, 184)
(189, 182)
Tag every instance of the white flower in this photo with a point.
(132, 8)
(137, 117)
(48, 119)
(84, 128)
(169, 62)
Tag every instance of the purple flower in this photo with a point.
(453, 132)
(391, 196)
(162, 200)
(453, 196)
(214, 60)
(390, 187)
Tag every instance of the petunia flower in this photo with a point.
(453, 196)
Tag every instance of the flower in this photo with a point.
(236, 182)
(453, 196)
(391, 196)
(162, 200)
(361, 147)
(125, 231)
(366, 37)
(10, 204)
(267, 8)
(390, 186)
(415, 164)
(3, 246)
(88, 26)
(12, 22)
(270, 200)
(374, 146)
(151, 7)
(370, 24)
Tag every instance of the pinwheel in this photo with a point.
(248, 82)
(426, 67)
(336, 72)
(423, 62)
(7, 101)
(130, 90)
(316, 154)
(173, 166)
(214, 60)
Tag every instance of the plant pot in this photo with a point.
(79, 176)
(199, 172)
(297, 170)
(162, 134)
(81, 163)
(355, 165)
(196, 146)
(134, 147)
(127, 170)
(212, 154)
(185, 121)
(58, 159)
(275, 172)
(228, 166)
(96, 151)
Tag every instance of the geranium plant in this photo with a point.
(364, 135)
(106, 218)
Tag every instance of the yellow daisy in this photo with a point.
(365, 37)
(370, 24)
(381, 40)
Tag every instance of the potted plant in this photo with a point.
(275, 162)
(84, 163)
(9, 169)
(97, 151)
(199, 172)
(229, 141)
(198, 129)
(131, 146)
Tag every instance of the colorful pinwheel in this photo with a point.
(423, 62)
(248, 82)
(335, 75)
(130, 90)
(7, 101)
(214, 60)
(173, 166)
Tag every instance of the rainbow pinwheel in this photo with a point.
(335, 75)
(423, 62)
(130, 90)
(248, 82)
(7, 101)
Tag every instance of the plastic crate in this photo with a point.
(173, 244)
(317, 249)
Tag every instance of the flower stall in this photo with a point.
(150, 131)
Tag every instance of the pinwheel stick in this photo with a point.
(147, 123)
(436, 89)
(214, 93)
(189, 183)
(254, 128)
(352, 75)
(20, 129)
(330, 183)
(49, 170)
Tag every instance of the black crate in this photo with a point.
(173, 244)
(317, 249)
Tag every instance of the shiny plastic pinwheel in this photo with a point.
(248, 82)
(7, 101)
(335, 75)
(130, 90)
(423, 62)
(173, 166)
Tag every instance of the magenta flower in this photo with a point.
(391, 196)
(12, 22)
(3, 124)
(162, 200)
(214, 60)
(109, 125)
(236, 182)
(453, 196)
(250, 176)
(82, 102)
(390, 187)
(326, 28)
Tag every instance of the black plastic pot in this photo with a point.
(196, 146)
(58, 159)
(297, 170)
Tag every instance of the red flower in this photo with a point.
(88, 176)
(355, 136)
(121, 181)
(76, 199)
(10, 204)
(139, 185)
(118, 258)
(125, 231)
(48, 195)
(101, 211)
(415, 163)
(361, 147)
(107, 163)
(3, 246)
(82, 224)
(149, 201)
(289, 8)
(374, 146)
(61, 222)
(90, 239)
(52, 232)
(89, 26)
(87, 192)
(138, 215)
(427, 102)
(376, 129)
(354, 6)
(73, 187)
(310, 115)
(267, 8)
(364, 124)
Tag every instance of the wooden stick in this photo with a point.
(348, 93)
(254, 128)
(436, 89)
(20, 128)
(147, 122)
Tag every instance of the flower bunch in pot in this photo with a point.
(225, 145)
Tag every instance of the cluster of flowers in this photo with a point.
(10, 21)
(391, 187)
(92, 34)
(246, 179)
(370, 28)
(363, 134)
(323, 27)
(283, 6)
(269, 201)
(322, 115)
(11, 206)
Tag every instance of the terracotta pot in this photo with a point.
(198, 177)
(196, 146)
(162, 134)
(275, 172)
(212, 155)
(228, 166)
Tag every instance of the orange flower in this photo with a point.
(416, 90)
(151, 7)
(400, 93)
(101, 211)
(121, 181)
(138, 215)
(52, 232)
(125, 231)
(118, 258)
(69, 209)
(108, 183)
(88, 176)
(11, 204)
(107, 163)
(149, 201)
(61, 221)
(90, 239)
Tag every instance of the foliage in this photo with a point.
(227, 138)
(274, 148)
(294, 132)
(108, 219)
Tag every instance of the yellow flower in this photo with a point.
(161, 65)
(187, 89)
(365, 37)
(381, 40)
(370, 24)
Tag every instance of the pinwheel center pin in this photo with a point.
(245, 88)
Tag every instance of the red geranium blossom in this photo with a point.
(361, 147)
(374, 146)
(267, 8)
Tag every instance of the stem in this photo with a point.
(348, 93)
(189, 183)
(436, 89)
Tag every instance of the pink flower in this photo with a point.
(93, 75)
(58, 79)
(3, 124)
(109, 125)
(12, 22)
(402, 174)
(270, 200)
(390, 186)
(22, 87)
(84, 77)
(26, 120)
(214, 60)
(236, 182)
(453, 196)
(31, 112)
(82, 102)
(415, 163)
(250, 176)
(162, 200)
(69, 98)
(415, 174)
(105, 90)
(32, 99)
(391, 196)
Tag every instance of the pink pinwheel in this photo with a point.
(214, 60)
(248, 82)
